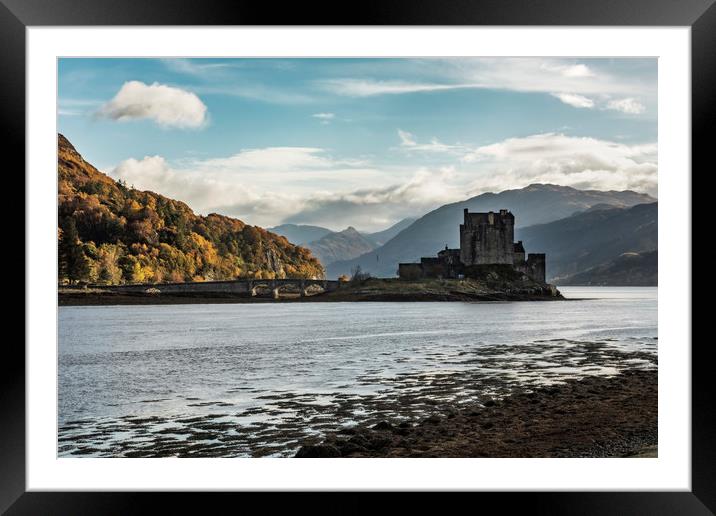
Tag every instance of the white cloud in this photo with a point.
(76, 107)
(406, 139)
(205, 191)
(580, 162)
(573, 100)
(375, 208)
(408, 143)
(628, 105)
(230, 79)
(577, 70)
(197, 67)
(210, 68)
(254, 91)
(574, 83)
(272, 185)
(325, 118)
(388, 77)
(536, 75)
(545, 75)
(306, 185)
(261, 186)
(366, 88)
(165, 105)
(274, 159)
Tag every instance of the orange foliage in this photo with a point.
(131, 236)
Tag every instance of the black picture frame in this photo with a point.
(700, 15)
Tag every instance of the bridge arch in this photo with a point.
(238, 286)
(276, 286)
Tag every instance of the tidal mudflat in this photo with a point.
(361, 379)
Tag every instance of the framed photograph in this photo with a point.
(421, 249)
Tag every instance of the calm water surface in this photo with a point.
(129, 375)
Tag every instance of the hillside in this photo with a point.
(585, 240)
(628, 269)
(342, 245)
(110, 233)
(535, 204)
(381, 237)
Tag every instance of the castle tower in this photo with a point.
(487, 238)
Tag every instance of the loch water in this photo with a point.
(257, 379)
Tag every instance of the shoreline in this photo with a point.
(112, 299)
(372, 289)
(589, 417)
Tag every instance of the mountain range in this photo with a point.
(592, 238)
(532, 205)
(342, 245)
(330, 246)
(381, 237)
(628, 269)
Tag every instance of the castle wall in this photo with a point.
(537, 267)
(487, 238)
(445, 265)
(410, 271)
(433, 267)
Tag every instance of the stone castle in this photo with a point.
(485, 239)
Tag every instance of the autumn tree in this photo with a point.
(111, 233)
(73, 264)
(109, 271)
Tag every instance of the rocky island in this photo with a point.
(495, 283)
(370, 289)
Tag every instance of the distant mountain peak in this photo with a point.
(543, 186)
(342, 245)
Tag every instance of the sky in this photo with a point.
(360, 142)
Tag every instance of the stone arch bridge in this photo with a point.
(245, 287)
